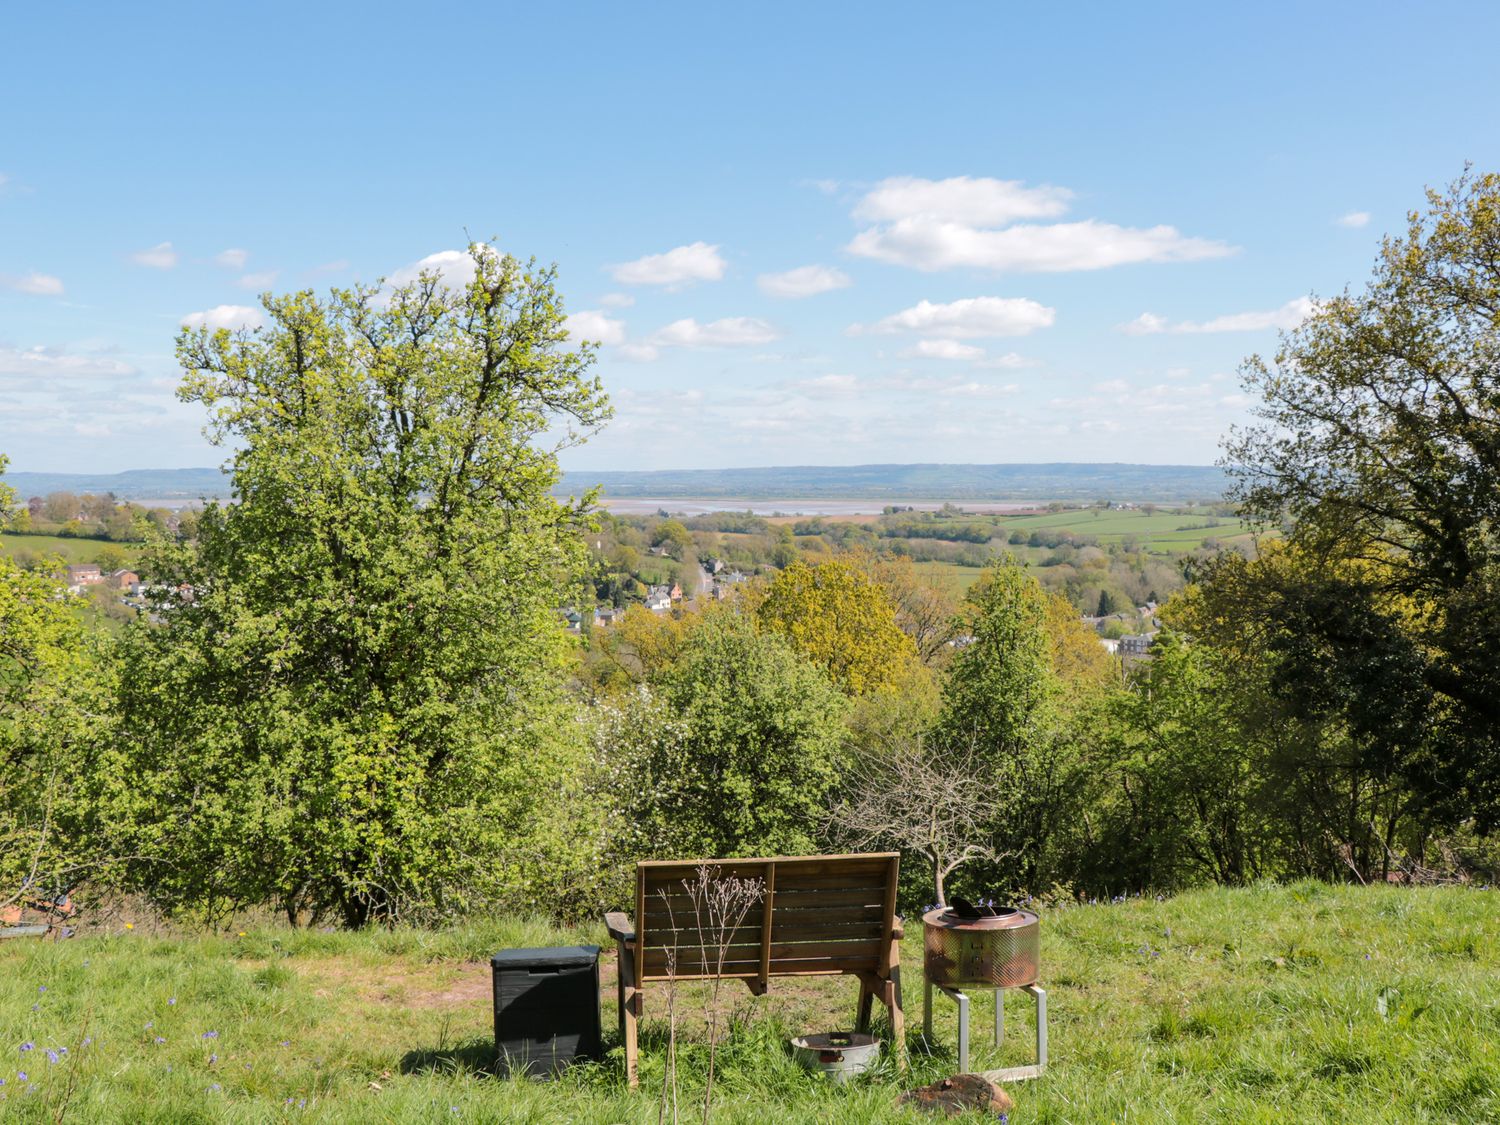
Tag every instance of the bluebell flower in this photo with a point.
(171, 999)
(210, 1035)
(21, 1076)
(41, 988)
(214, 1087)
(159, 1039)
(52, 1056)
(212, 1059)
(28, 1046)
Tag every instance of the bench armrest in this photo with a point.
(619, 925)
(897, 930)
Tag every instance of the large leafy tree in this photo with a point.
(54, 711)
(733, 750)
(344, 709)
(1380, 442)
(837, 616)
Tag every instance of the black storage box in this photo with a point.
(546, 1008)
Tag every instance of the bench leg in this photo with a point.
(866, 1003)
(630, 1013)
(891, 997)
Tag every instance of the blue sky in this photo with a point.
(806, 233)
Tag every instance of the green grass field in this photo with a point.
(1306, 1003)
(1159, 532)
(70, 550)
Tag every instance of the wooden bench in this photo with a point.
(821, 915)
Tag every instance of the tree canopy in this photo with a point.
(360, 650)
(1380, 441)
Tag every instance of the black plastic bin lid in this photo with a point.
(562, 955)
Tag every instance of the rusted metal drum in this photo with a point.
(999, 950)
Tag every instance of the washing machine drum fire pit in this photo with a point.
(982, 947)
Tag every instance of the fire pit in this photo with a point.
(986, 947)
(994, 947)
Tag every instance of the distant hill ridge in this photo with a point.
(1062, 480)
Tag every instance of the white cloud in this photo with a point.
(591, 324)
(823, 386)
(731, 332)
(262, 280)
(953, 386)
(804, 281)
(233, 258)
(57, 364)
(1008, 361)
(827, 187)
(617, 300)
(640, 353)
(1353, 219)
(684, 265)
(42, 284)
(454, 268)
(1147, 324)
(942, 349)
(970, 317)
(932, 244)
(225, 316)
(1288, 316)
(159, 257)
(972, 201)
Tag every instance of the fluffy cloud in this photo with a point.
(974, 222)
(954, 386)
(159, 257)
(970, 317)
(731, 332)
(453, 267)
(942, 349)
(1287, 316)
(933, 244)
(56, 364)
(42, 284)
(225, 316)
(1353, 219)
(804, 281)
(591, 324)
(262, 280)
(233, 258)
(617, 300)
(639, 353)
(973, 201)
(697, 261)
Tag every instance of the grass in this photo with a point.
(1268, 1004)
(69, 549)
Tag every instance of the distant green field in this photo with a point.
(70, 550)
(1160, 532)
(956, 579)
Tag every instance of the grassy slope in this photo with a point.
(1244, 1006)
(69, 549)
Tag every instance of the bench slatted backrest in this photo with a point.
(819, 915)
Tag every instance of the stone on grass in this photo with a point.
(959, 1093)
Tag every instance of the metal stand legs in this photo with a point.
(1014, 1073)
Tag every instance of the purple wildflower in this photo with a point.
(210, 1035)
(160, 1039)
(87, 1039)
(52, 1056)
(21, 1076)
(149, 1025)
(28, 1046)
(171, 999)
(41, 988)
(212, 1059)
(214, 1087)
